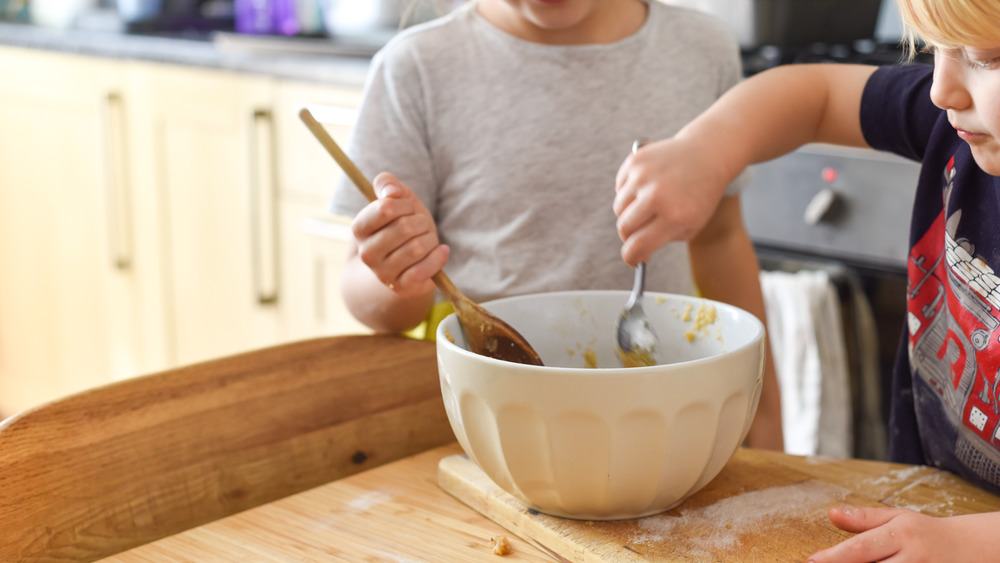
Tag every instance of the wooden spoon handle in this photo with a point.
(331, 146)
(457, 299)
(487, 335)
(441, 279)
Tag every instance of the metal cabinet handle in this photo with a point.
(264, 216)
(117, 182)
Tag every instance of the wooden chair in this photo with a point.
(106, 470)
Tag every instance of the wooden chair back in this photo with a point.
(106, 470)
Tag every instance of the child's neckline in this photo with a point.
(473, 8)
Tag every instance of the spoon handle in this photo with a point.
(331, 146)
(458, 300)
(486, 334)
(441, 280)
(639, 285)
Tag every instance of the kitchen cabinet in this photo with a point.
(155, 215)
(70, 300)
(205, 150)
(314, 243)
(306, 167)
(314, 248)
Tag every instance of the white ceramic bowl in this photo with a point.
(606, 442)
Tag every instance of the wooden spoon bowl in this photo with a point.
(486, 334)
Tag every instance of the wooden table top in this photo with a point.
(394, 512)
(399, 511)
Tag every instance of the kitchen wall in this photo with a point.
(739, 15)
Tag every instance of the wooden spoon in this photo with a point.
(486, 334)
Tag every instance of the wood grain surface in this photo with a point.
(396, 512)
(103, 471)
(763, 506)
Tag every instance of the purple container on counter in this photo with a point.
(266, 17)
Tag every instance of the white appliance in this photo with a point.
(58, 13)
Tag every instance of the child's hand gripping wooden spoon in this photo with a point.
(486, 334)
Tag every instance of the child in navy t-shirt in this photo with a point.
(946, 391)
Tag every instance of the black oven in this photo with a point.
(844, 212)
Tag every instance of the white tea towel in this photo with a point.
(810, 357)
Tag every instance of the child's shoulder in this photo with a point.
(690, 25)
(441, 33)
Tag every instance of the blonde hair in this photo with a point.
(950, 23)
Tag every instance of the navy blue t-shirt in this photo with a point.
(946, 386)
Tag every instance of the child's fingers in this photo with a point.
(874, 545)
(416, 279)
(860, 519)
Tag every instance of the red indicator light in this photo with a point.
(829, 175)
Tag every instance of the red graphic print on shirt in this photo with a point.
(953, 316)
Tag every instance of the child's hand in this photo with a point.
(665, 192)
(905, 535)
(397, 238)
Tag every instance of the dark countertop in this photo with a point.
(312, 60)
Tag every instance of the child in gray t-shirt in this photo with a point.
(503, 125)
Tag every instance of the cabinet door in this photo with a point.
(314, 248)
(306, 168)
(68, 309)
(314, 243)
(206, 152)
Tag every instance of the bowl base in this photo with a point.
(597, 517)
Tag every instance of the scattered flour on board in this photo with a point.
(945, 507)
(719, 526)
(898, 475)
(368, 500)
(385, 556)
(894, 477)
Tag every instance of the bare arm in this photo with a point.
(374, 304)
(668, 190)
(784, 108)
(387, 278)
(725, 269)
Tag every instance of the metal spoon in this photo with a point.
(486, 334)
(637, 343)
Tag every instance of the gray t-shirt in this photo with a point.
(514, 146)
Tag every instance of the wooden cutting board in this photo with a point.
(763, 506)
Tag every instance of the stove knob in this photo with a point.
(820, 205)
